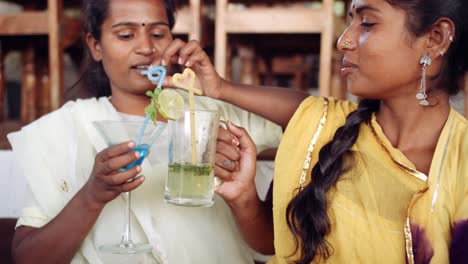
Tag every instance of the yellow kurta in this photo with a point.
(383, 210)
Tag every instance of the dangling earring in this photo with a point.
(421, 95)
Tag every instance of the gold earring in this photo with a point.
(346, 43)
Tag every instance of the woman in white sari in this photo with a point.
(74, 202)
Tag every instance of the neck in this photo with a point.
(409, 125)
(129, 103)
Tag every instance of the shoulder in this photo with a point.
(334, 105)
(69, 107)
(312, 109)
(61, 119)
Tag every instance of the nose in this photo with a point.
(145, 46)
(345, 42)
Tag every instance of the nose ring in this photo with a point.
(346, 43)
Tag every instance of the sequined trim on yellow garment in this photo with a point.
(409, 242)
(312, 144)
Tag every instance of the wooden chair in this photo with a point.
(276, 20)
(189, 19)
(34, 23)
(40, 32)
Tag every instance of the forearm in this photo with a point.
(60, 239)
(273, 103)
(255, 221)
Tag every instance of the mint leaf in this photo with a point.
(152, 108)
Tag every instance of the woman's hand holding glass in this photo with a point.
(235, 165)
(107, 180)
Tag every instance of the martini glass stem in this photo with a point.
(127, 236)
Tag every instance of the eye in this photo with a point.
(157, 35)
(366, 26)
(125, 36)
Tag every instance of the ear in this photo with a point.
(440, 37)
(94, 46)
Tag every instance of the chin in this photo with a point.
(362, 90)
(144, 85)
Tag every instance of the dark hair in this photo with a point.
(306, 214)
(94, 13)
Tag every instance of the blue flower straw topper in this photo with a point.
(154, 74)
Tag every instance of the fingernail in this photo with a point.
(235, 142)
(131, 144)
(138, 168)
(187, 64)
(180, 61)
(142, 178)
(163, 62)
(137, 154)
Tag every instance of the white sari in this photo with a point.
(56, 155)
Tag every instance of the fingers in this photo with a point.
(247, 149)
(227, 150)
(226, 163)
(122, 177)
(114, 151)
(228, 137)
(115, 163)
(222, 173)
(189, 52)
(133, 184)
(246, 143)
(179, 51)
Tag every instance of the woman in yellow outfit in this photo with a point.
(382, 181)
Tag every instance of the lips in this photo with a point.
(346, 64)
(140, 66)
(347, 67)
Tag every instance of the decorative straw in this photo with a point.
(192, 127)
(154, 74)
(180, 81)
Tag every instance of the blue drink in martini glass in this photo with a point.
(116, 132)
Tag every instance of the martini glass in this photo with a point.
(116, 132)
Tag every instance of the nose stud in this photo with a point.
(346, 43)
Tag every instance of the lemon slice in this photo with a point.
(170, 104)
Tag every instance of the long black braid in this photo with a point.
(325, 174)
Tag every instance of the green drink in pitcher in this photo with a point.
(192, 182)
(190, 179)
